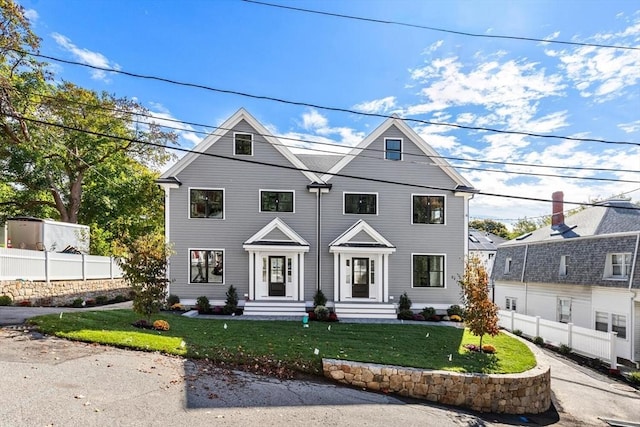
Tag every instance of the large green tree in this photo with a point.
(490, 226)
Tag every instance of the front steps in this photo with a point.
(274, 308)
(365, 310)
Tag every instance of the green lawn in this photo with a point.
(287, 344)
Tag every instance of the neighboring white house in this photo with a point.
(484, 245)
(388, 217)
(583, 270)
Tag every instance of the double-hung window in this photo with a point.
(276, 201)
(564, 310)
(428, 271)
(393, 149)
(428, 209)
(618, 266)
(511, 303)
(507, 266)
(206, 203)
(206, 266)
(242, 144)
(564, 262)
(359, 203)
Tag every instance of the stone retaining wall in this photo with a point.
(63, 292)
(525, 393)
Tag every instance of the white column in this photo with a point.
(385, 258)
(336, 276)
(300, 296)
(251, 275)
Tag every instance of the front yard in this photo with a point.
(288, 346)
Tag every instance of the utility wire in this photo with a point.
(441, 30)
(334, 145)
(261, 163)
(321, 107)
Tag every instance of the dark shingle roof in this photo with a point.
(319, 162)
(483, 241)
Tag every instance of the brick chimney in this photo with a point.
(557, 208)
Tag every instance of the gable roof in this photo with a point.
(286, 236)
(611, 216)
(226, 127)
(413, 136)
(361, 234)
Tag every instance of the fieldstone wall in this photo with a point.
(525, 393)
(63, 292)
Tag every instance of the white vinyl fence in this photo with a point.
(584, 341)
(22, 264)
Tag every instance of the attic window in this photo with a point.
(242, 144)
(393, 149)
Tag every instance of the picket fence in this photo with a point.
(583, 341)
(41, 266)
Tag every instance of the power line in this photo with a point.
(150, 116)
(321, 107)
(261, 163)
(442, 30)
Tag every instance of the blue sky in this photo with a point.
(512, 85)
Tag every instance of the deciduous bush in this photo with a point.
(161, 325)
(5, 300)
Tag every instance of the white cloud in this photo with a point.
(630, 127)
(377, 105)
(31, 15)
(86, 56)
(313, 120)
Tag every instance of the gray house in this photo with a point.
(584, 270)
(484, 245)
(388, 217)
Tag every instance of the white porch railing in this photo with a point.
(21, 264)
(584, 341)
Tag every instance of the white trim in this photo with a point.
(608, 266)
(354, 230)
(283, 227)
(444, 271)
(234, 143)
(224, 203)
(401, 149)
(444, 206)
(344, 195)
(260, 190)
(222, 130)
(412, 136)
(224, 266)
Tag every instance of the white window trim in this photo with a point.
(234, 143)
(344, 195)
(509, 303)
(444, 273)
(224, 204)
(560, 304)
(224, 266)
(608, 268)
(276, 191)
(401, 149)
(564, 265)
(429, 195)
(507, 265)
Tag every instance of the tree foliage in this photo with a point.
(145, 267)
(525, 225)
(490, 226)
(480, 313)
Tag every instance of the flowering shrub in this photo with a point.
(177, 307)
(455, 318)
(419, 317)
(471, 347)
(25, 303)
(488, 348)
(333, 317)
(322, 312)
(161, 325)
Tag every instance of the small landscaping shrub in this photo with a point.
(217, 310)
(77, 303)
(161, 325)
(455, 310)
(119, 298)
(142, 324)
(173, 300)
(177, 307)
(312, 315)
(564, 349)
(319, 299)
(404, 303)
(455, 318)
(202, 305)
(517, 332)
(538, 341)
(90, 302)
(322, 312)
(102, 299)
(471, 347)
(405, 314)
(25, 303)
(488, 348)
(634, 377)
(419, 317)
(333, 317)
(427, 312)
(231, 304)
(5, 300)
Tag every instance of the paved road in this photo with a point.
(63, 383)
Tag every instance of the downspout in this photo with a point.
(632, 307)
(318, 234)
(524, 268)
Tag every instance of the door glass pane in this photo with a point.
(277, 270)
(360, 271)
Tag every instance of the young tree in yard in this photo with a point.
(145, 267)
(480, 314)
